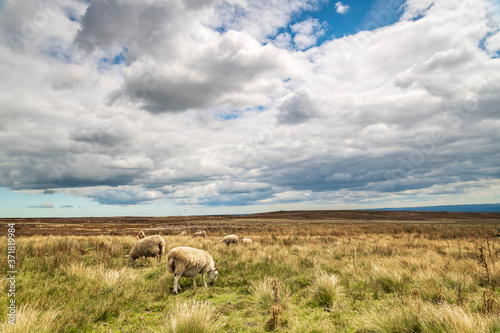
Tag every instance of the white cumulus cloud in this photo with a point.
(341, 8)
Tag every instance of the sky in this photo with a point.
(184, 107)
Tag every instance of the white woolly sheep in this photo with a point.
(183, 233)
(229, 239)
(189, 262)
(200, 234)
(141, 234)
(151, 246)
(245, 240)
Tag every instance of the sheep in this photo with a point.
(245, 240)
(200, 234)
(229, 239)
(151, 246)
(141, 234)
(189, 262)
(183, 233)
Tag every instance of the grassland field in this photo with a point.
(326, 271)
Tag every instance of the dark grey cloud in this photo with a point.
(121, 195)
(219, 73)
(216, 69)
(113, 23)
(152, 29)
(297, 108)
(114, 131)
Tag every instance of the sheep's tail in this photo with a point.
(171, 265)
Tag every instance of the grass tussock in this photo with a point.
(263, 294)
(416, 316)
(326, 289)
(193, 317)
(101, 276)
(33, 319)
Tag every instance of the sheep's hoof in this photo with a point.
(175, 292)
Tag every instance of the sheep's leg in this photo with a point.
(194, 281)
(176, 283)
(203, 277)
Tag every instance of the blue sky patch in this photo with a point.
(118, 59)
(71, 15)
(57, 51)
(229, 115)
(483, 45)
(362, 15)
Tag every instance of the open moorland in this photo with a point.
(317, 271)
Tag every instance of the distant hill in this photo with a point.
(482, 208)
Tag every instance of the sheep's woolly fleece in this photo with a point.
(150, 246)
(191, 257)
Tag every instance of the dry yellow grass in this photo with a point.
(368, 282)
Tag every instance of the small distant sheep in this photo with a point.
(189, 262)
(245, 240)
(183, 233)
(151, 246)
(200, 234)
(141, 234)
(229, 239)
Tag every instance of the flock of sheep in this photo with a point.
(182, 261)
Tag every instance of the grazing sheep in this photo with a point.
(151, 246)
(200, 234)
(189, 262)
(229, 239)
(245, 240)
(141, 234)
(183, 233)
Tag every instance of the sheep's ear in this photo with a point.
(216, 269)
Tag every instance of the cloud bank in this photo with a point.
(214, 103)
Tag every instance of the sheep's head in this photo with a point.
(212, 274)
(131, 258)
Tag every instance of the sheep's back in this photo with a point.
(231, 238)
(151, 245)
(191, 256)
